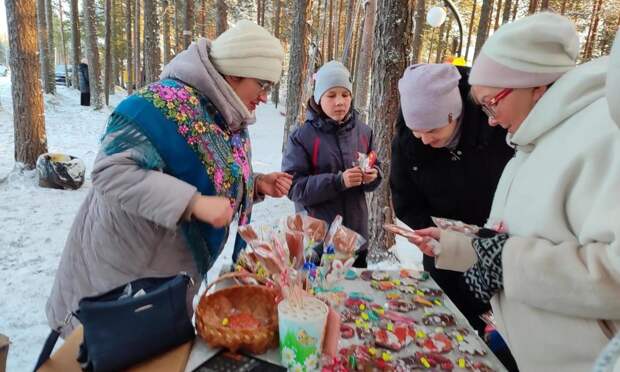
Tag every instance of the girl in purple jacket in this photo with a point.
(322, 155)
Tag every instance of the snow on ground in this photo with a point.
(35, 221)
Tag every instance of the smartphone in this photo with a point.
(228, 362)
(399, 230)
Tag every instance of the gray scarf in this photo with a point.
(193, 67)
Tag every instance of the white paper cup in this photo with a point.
(301, 334)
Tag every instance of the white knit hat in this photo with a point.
(331, 75)
(530, 52)
(248, 50)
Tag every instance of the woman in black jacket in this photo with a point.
(446, 162)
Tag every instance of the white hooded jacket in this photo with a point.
(559, 198)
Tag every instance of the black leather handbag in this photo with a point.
(131, 323)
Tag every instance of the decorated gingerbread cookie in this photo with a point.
(437, 342)
(401, 306)
(438, 320)
(470, 344)
(474, 365)
(380, 276)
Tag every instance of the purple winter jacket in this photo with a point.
(316, 155)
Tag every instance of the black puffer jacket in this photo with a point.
(457, 184)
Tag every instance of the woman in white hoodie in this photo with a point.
(552, 269)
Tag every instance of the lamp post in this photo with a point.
(437, 15)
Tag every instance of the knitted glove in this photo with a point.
(485, 278)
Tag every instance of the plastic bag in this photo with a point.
(455, 225)
(308, 233)
(341, 242)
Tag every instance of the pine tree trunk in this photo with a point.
(178, 28)
(151, 31)
(51, 45)
(107, 62)
(364, 61)
(357, 45)
(298, 55)
(390, 50)
(63, 44)
(28, 115)
(203, 18)
(533, 6)
(507, 9)
(337, 42)
(471, 28)
(92, 53)
(330, 32)
(275, 94)
(483, 25)
(598, 4)
(544, 5)
(44, 64)
(444, 34)
(166, 30)
(137, 47)
(324, 34)
(221, 24)
(188, 24)
(75, 43)
(514, 11)
(348, 32)
(563, 7)
(420, 23)
(129, 47)
(497, 15)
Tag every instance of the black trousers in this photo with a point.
(85, 99)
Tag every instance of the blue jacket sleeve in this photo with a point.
(308, 189)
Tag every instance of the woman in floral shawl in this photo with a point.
(173, 168)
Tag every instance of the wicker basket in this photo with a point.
(216, 308)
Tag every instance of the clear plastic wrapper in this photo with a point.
(308, 233)
(366, 161)
(455, 225)
(341, 243)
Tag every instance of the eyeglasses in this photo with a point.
(489, 107)
(264, 85)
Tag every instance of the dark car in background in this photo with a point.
(59, 74)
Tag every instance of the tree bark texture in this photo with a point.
(129, 46)
(28, 115)
(507, 9)
(390, 50)
(483, 25)
(221, 23)
(44, 64)
(188, 23)
(514, 11)
(365, 59)
(107, 62)
(63, 45)
(298, 55)
(152, 58)
(532, 7)
(275, 94)
(497, 14)
(137, 75)
(420, 23)
(330, 32)
(92, 53)
(51, 48)
(75, 43)
(166, 30)
(471, 29)
(348, 32)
